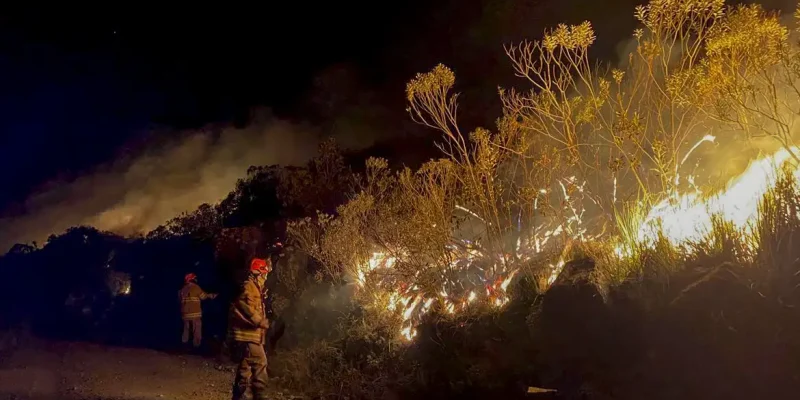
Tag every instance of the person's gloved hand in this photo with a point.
(264, 324)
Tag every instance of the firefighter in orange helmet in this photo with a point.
(190, 296)
(247, 328)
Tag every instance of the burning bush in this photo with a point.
(613, 165)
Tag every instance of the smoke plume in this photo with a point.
(135, 193)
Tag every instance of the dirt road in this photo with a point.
(42, 370)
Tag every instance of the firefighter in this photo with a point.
(190, 296)
(247, 326)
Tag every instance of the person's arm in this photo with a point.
(203, 295)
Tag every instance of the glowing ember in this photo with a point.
(410, 309)
(393, 299)
(427, 305)
(554, 271)
(408, 333)
(472, 271)
(507, 281)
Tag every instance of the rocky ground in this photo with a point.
(36, 369)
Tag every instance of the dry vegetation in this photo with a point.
(445, 268)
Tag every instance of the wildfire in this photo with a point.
(474, 277)
(481, 278)
(413, 304)
(688, 218)
(696, 66)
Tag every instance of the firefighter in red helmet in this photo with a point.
(190, 296)
(247, 328)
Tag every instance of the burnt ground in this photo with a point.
(46, 370)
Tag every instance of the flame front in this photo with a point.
(680, 218)
(475, 277)
(687, 218)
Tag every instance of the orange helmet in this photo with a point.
(190, 277)
(260, 265)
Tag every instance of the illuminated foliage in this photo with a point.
(585, 153)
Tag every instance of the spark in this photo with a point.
(507, 281)
(472, 297)
(466, 210)
(614, 193)
(706, 138)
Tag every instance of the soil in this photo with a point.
(46, 370)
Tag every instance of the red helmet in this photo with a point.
(260, 265)
(190, 277)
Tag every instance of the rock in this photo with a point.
(224, 368)
(576, 272)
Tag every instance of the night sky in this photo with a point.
(81, 87)
(75, 87)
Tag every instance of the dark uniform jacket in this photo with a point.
(190, 296)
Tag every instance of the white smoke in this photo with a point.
(136, 193)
